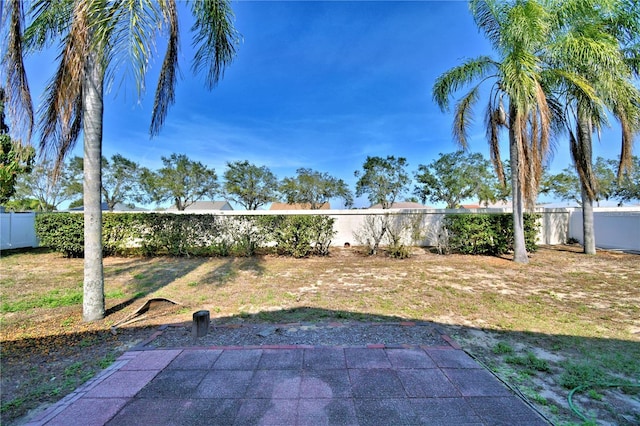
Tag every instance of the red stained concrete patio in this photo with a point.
(300, 385)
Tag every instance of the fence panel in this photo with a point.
(17, 230)
(615, 228)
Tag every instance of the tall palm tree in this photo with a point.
(517, 99)
(98, 37)
(598, 40)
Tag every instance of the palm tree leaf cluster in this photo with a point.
(561, 67)
(100, 41)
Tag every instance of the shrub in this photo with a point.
(372, 231)
(490, 234)
(300, 235)
(63, 232)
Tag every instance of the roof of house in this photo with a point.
(496, 205)
(297, 206)
(119, 207)
(205, 205)
(403, 205)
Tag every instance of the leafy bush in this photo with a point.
(490, 234)
(63, 232)
(300, 235)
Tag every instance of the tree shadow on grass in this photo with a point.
(151, 275)
(229, 269)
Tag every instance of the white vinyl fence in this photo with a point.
(616, 228)
(17, 230)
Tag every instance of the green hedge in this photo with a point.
(62, 232)
(490, 234)
(152, 234)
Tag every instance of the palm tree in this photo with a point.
(96, 38)
(598, 40)
(517, 32)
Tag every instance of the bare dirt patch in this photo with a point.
(563, 320)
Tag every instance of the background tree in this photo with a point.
(49, 186)
(96, 41)
(382, 180)
(26, 205)
(15, 158)
(181, 181)
(314, 188)
(455, 177)
(566, 185)
(120, 179)
(627, 188)
(249, 185)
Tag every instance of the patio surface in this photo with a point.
(293, 385)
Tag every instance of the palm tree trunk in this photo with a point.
(584, 161)
(588, 230)
(519, 246)
(93, 303)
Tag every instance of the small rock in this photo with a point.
(267, 331)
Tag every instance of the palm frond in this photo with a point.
(626, 109)
(51, 19)
(494, 120)
(61, 115)
(454, 79)
(488, 16)
(463, 116)
(129, 29)
(18, 96)
(165, 91)
(215, 38)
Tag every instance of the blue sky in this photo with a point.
(320, 85)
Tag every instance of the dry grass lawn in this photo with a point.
(563, 320)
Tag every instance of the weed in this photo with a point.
(192, 284)
(67, 322)
(530, 362)
(502, 348)
(575, 375)
(14, 404)
(73, 369)
(106, 361)
(535, 396)
(87, 341)
(138, 277)
(593, 394)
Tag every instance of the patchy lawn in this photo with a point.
(563, 321)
